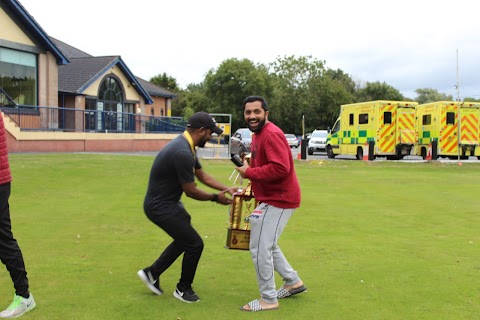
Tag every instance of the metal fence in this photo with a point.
(33, 118)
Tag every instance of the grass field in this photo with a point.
(379, 240)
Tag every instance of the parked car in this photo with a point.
(318, 141)
(292, 140)
(223, 139)
(240, 142)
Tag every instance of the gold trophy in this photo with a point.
(238, 235)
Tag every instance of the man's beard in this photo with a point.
(202, 142)
(259, 127)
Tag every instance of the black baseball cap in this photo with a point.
(203, 120)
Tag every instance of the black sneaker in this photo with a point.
(188, 296)
(152, 284)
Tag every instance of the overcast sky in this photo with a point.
(407, 44)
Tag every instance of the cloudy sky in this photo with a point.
(407, 44)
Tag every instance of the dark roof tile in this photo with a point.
(74, 76)
(155, 90)
(69, 51)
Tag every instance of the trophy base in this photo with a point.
(238, 239)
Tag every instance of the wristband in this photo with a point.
(215, 198)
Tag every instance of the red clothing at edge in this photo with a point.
(5, 174)
(271, 171)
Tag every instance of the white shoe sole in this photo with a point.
(141, 274)
(179, 297)
(8, 314)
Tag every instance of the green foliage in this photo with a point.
(426, 95)
(327, 95)
(165, 81)
(193, 98)
(187, 113)
(293, 78)
(378, 91)
(234, 80)
(295, 88)
(303, 87)
(376, 240)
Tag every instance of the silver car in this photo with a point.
(292, 140)
(240, 142)
(318, 141)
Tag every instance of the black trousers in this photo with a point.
(10, 253)
(186, 240)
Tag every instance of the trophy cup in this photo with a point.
(238, 235)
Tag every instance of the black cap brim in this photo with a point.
(217, 130)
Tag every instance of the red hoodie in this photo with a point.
(271, 169)
(5, 174)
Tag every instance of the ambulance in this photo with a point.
(439, 129)
(377, 128)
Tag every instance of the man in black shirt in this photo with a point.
(173, 173)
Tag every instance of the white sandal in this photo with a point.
(256, 306)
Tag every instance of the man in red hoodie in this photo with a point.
(10, 253)
(275, 186)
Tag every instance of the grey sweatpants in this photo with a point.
(266, 224)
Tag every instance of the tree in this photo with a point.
(234, 80)
(165, 81)
(378, 91)
(304, 87)
(192, 99)
(425, 95)
(327, 95)
(293, 77)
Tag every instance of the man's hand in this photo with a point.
(222, 197)
(232, 190)
(243, 169)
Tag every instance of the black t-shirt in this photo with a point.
(174, 165)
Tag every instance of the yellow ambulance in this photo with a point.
(438, 128)
(384, 128)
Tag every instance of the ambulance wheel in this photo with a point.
(424, 153)
(310, 151)
(398, 153)
(395, 157)
(359, 154)
(330, 153)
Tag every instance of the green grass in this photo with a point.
(381, 240)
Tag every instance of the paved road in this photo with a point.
(221, 151)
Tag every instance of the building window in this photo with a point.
(18, 76)
(91, 115)
(110, 101)
(111, 94)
